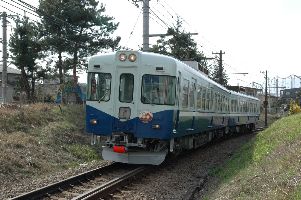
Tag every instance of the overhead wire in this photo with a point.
(139, 14)
(19, 8)
(161, 11)
(16, 13)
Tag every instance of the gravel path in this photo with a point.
(179, 178)
(176, 179)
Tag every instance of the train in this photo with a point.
(145, 106)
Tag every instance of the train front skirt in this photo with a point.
(139, 157)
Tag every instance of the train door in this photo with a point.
(178, 101)
(125, 98)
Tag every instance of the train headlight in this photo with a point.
(132, 57)
(122, 57)
(156, 126)
(93, 121)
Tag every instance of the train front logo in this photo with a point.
(146, 116)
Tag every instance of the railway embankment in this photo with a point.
(267, 167)
(42, 140)
(41, 145)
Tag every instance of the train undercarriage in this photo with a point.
(125, 148)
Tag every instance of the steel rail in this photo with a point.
(67, 183)
(110, 186)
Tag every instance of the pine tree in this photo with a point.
(25, 47)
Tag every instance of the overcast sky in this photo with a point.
(256, 35)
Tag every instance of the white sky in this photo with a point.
(256, 35)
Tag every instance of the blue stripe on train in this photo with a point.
(108, 124)
(184, 126)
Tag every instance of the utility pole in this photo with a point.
(220, 65)
(277, 86)
(4, 65)
(145, 9)
(146, 35)
(265, 103)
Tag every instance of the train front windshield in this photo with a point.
(99, 86)
(158, 89)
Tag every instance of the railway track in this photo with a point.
(94, 184)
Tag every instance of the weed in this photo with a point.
(83, 152)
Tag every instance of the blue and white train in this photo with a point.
(146, 105)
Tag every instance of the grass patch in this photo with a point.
(268, 167)
(297, 194)
(39, 139)
(84, 152)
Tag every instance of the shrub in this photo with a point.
(294, 108)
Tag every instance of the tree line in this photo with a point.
(73, 30)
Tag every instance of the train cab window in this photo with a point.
(126, 88)
(99, 86)
(158, 89)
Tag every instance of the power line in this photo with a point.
(166, 9)
(134, 2)
(20, 8)
(16, 13)
(133, 28)
(161, 11)
(176, 13)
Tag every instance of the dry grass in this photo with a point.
(39, 139)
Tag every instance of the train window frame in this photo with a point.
(129, 90)
(95, 86)
(149, 97)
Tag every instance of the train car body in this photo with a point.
(146, 105)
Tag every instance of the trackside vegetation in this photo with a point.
(268, 167)
(294, 107)
(40, 139)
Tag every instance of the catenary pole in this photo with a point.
(4, 65)
(220, 66)
(266, 100)
(145, 9)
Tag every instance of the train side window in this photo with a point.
(204, 98)
(199, 97)
(191, 95)
(211, 100)
(219, 102)
(223, 104)
(235, 105)
(208, 99)
(185, 93)
(215, 102)
(126, 88)
(160, 90)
